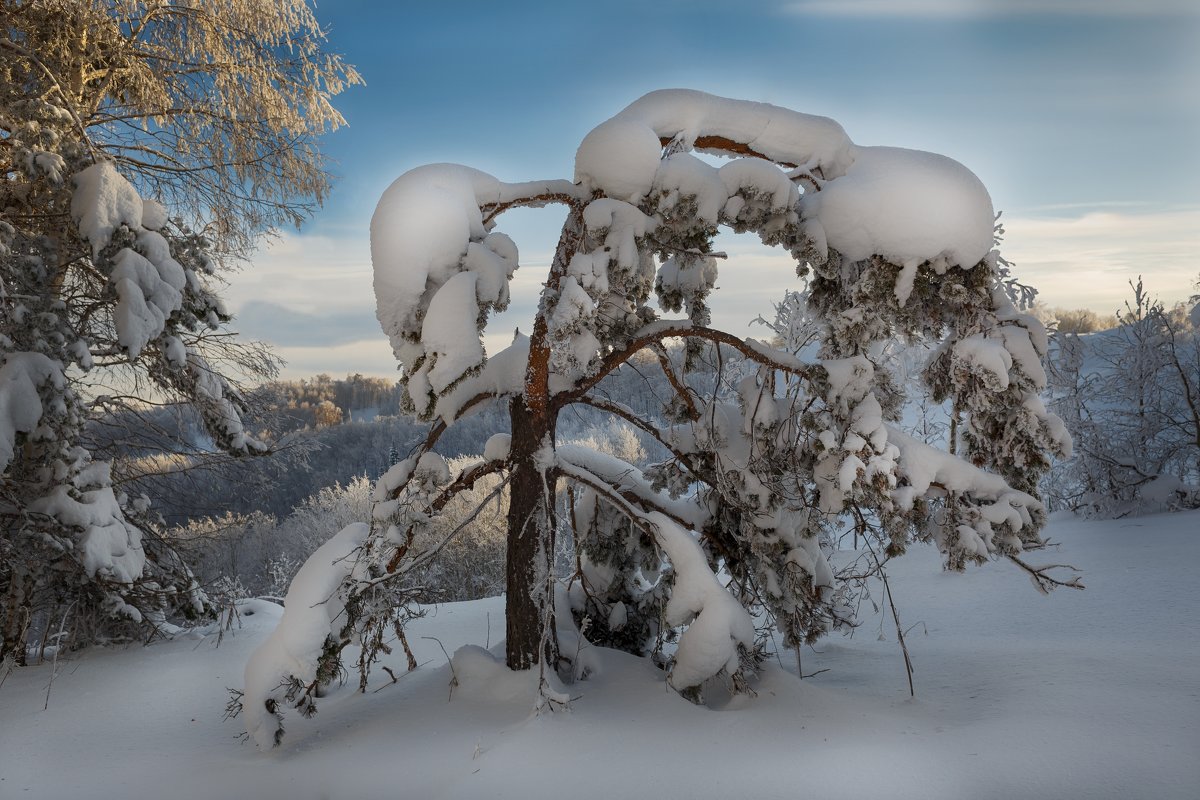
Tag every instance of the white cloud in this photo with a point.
(1087, 260)
(314, 274)
(371, 357)
(993, 8)
(312, 298)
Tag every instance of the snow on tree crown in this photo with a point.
(440, 268)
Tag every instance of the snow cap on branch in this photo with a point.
(438, 270)
(313, 615)
(104, 201)
(905, 205)
(685, 115)
(21, 376)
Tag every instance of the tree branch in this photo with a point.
(627, 414)
(1043, 580)
(438, 428)
(727, 146)
(493, 210)
(681, 389)
(67, 101)
(465, 480)
(632, 504)
(685, 329)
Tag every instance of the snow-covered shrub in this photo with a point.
(329, 509)
(614, 438)
(280, 571)
(234, 547)
(896, 244)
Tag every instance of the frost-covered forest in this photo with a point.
(918, 534)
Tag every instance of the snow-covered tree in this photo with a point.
(895, 243)
(111, 113)
(1130, 397)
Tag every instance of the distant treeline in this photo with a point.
(322, 401)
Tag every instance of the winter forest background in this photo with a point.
(816, 528)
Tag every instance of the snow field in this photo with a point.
(1080, 694)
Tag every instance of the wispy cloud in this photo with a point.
(279, 324)
(995, 8)
(315, 274)
(1087, 260)
(372, 357)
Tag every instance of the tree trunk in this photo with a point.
(529, 568)
(16, 618)
(529, 608)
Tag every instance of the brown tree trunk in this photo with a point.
(531, 524)
(529, 607)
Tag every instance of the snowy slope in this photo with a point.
(1080, 694)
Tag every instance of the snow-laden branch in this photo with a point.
(345, 572)
(393, 483)
(925, 467)
(718, 627)
(905, 205)
(530, 195)
(439, 270)
(656, 332)
(1042, 579)
(22, 375)
(592, 467)
(619, 156)
(289, 657)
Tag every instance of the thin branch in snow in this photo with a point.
(1043, 580)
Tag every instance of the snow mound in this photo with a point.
(1091, 693)
(905, 205)
(483, 676)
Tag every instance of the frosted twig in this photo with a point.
(57, 647)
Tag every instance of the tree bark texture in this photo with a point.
(531, 524)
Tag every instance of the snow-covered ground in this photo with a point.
(1080, 694)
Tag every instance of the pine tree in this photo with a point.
(895, 244)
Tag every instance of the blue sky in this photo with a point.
(1082, 118)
